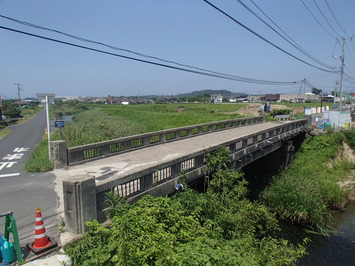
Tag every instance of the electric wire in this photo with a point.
(325, 18)
(291, 39)
(227, 77)
(107, 45)
(320, 24)
(331, 11)
(266, 40)
(278, 33)
(351, 57)
(346, 74)
(124, 50)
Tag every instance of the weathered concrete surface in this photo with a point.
(113, 167)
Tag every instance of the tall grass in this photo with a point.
(39, 161)
(308, 188)
(164, 116)
(115, 121)
(94, 126)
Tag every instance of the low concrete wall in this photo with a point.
(102, 149)
(59, 153)
(84, 201)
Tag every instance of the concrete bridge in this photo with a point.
(155, 163)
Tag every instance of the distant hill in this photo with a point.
(225, 93)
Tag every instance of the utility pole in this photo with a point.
(1, 107)
(19, 96)
(342, 58)
(335, 91)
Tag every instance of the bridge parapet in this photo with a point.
(162, 178)
(102, 149)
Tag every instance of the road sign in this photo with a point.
(59, 123)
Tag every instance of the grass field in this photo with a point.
(105, 122)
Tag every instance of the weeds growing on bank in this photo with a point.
(308, 189)
(39, 161)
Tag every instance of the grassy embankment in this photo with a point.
(93, 123)
(308, 190)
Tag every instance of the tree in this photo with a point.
(316, 91)
(11, 110)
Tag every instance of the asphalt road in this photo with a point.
(24, 192)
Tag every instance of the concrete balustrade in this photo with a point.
(84, 199)
(102, 149)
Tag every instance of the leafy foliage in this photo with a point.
(11, 110)
(219, 227)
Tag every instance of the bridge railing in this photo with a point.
(102, 149)
(84, 196)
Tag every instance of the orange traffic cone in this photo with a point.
(42, 241)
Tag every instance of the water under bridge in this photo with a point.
(155, 163)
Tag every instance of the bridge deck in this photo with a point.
(117, 166)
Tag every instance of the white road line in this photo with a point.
(8, 175)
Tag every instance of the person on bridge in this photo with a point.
(267, 107)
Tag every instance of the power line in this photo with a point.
(133, 52)
(264, 39)
(351, 57)
(331, 11)
(314, 59)
(326, 20)
(228, 77)
(293, 43)
(320, 24)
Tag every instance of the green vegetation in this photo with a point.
(350, 137)
(306, 191)
(11, 110)
(219, 227)
(94, 126)
(104, 122)
(164, 116)
(14, 115)
(69, 108)
(39, 161)
(93, 123)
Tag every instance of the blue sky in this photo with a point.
(186, 31)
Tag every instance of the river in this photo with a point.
(339, 248)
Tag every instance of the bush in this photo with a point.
(280, 112)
